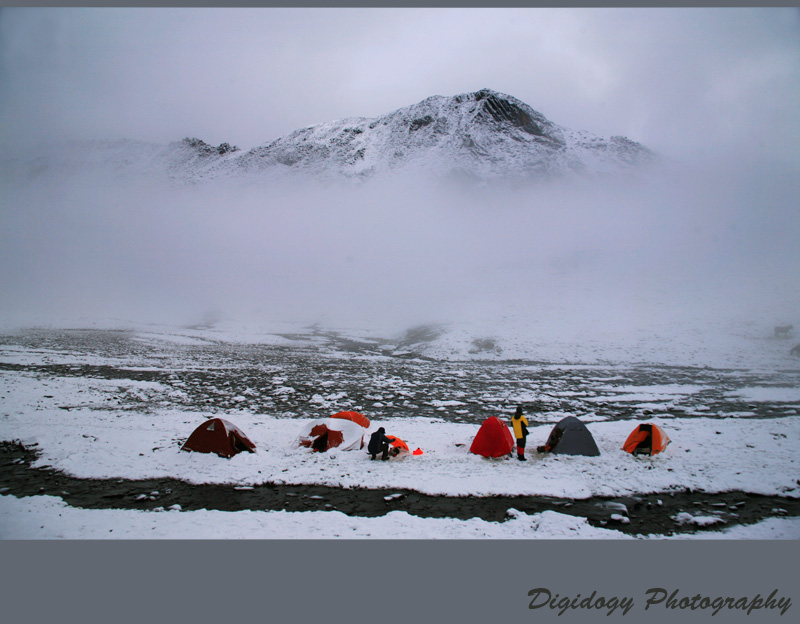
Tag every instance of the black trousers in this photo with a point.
(384, 451)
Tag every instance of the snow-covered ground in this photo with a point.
(46, 517)
(86, 427)
(96, 439)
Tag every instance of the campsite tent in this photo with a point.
(355, 417)
(571, 437)
(493, 439)
(646, 439)
(218, 436)
(321, 435)
(397, 445)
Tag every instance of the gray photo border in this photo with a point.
(391, 581)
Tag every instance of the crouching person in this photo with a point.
(378, 443)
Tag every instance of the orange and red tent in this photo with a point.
(646, 439)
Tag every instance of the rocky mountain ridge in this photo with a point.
(479, 136)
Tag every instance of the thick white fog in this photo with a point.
(714, 90)
(392, 255)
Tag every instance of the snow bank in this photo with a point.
(45, 517)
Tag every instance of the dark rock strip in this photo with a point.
(635, 515)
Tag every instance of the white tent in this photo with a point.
(321, 435)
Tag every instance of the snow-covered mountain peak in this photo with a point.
(480, 136)
(490, 106)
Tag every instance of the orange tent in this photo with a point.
(398, 444)
(355, 417)
(646, 439)
(218, 436)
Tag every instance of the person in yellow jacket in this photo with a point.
(520, 425)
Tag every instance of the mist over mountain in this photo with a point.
(592, 259)
(480, 136)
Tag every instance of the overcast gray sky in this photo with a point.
(692, 84)
(685, 82)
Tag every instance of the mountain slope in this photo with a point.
(481, 136)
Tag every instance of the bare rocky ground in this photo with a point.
(299, 381)
(291, 381)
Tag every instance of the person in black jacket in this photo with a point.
(379, 443)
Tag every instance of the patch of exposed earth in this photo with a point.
(650, 514)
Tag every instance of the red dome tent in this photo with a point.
(493, 439)
(218, 436)
(646, 439)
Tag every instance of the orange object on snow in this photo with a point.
(646, 439)
(355, 417)
(417, 452)
(397, 442)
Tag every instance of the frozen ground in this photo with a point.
(102, 404)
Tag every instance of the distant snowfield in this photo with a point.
(80, 429)
(663, 334)
(769, 394)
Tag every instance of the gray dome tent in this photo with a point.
(571, 437)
